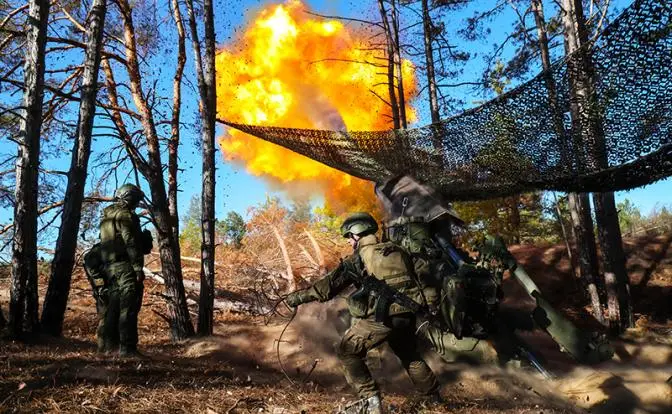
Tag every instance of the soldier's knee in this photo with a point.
(351, 346)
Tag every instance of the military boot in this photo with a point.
(371, 405)
(130, 352)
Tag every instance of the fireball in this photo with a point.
(291, 69)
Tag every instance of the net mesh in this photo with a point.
(612, 135)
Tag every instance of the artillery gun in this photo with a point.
(470, 289)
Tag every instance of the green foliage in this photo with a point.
(325, 220)
(301, 212)
(632, 222)
(629, 216)
(518, 219)
(190, 231)
(498, 79)
(231, 230)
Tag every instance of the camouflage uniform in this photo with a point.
(386, 262)
(122, 250)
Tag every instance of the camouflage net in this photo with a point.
(525, 139)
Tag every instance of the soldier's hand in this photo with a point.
(140, 276)
(294, 299)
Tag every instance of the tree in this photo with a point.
(629, 215)
(232, 229)
(579, 204)
(151, 169)
(190, 234)
(428, 40)
(23, 305)
(56, 297)
(205, 74)
(390, 54)
(174, 142)
(588, 128)
(3, 322)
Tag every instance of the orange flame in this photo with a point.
(289, 69)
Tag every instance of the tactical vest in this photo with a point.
(388, 262)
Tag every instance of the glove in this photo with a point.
(297, 298)
(140, 276)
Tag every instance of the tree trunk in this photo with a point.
(23, 304)
(514, 218)
(586, 114)
(181, 326)
(174, 142)
(205, 73)
(565, 236)
(429, 59)
(579, 204)
(613, 256)
(584, 233)
(56, 298)
(3, 322)
(390, 65)
(398, 63)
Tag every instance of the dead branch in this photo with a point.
(285, 256)
(52, 206)
(318, 251)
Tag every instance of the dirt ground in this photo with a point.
(238, 370)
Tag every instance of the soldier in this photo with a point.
(371, 327)
(122, 248)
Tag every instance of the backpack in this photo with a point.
(94, 267)
(469, 294)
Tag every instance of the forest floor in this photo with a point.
(237, 369)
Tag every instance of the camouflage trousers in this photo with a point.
(365, 335)
(118, 307)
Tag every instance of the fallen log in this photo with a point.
(229, 304)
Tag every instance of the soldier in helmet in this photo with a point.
(397, 327)
(122, 248)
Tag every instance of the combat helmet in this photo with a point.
(129, 194)
(359, 224)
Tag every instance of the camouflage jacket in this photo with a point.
(121, 237)
(384, 261)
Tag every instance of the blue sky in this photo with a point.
(236, 189)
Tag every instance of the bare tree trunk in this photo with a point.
(181, 326)
(3, 322)
(23, 302)
(398, 62)
(390, 65)
(613, 255)
(429, 59)
(586, 114)
(174, 142)
(514, 218)
(207, 293)
(56, 298)
(579, 204)
(205, 73)
(565, 236)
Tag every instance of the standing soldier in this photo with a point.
(122, 249)
(373, 326)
